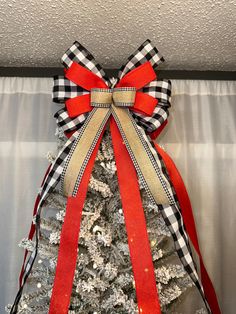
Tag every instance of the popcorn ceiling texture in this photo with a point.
(190, 34)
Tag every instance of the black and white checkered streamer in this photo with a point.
(64, 89)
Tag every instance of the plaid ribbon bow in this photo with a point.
(146, 121)
(65, 89)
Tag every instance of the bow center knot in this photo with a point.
(119, 96)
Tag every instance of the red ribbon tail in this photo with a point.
(139, 245)
(68, 248)
(187, 213)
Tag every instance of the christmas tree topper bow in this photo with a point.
(136, 105)
(102, 102)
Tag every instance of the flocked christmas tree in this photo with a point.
(103, 280)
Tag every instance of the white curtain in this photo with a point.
(200, 138)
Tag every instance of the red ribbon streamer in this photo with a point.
(68, 248)
(139, 246)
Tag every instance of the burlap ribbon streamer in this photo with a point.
(113, 101)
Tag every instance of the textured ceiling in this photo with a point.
(190, 34)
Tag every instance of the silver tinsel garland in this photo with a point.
(103, 280)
